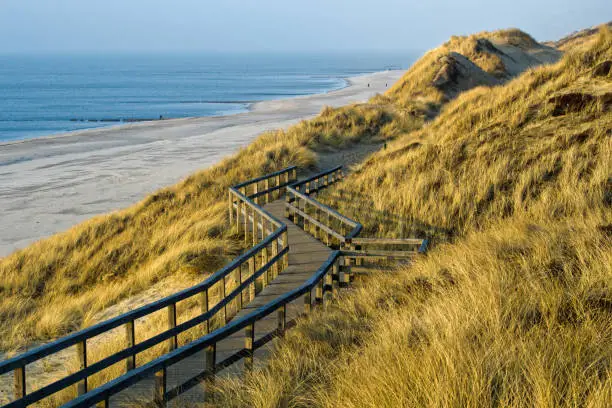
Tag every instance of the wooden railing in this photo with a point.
(318, 290)
(317, 219)
(363, 254)
(321, 283)
(340, 232)
(229, 286)
(244, 200)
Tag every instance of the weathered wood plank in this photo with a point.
(312, 220)
(386, 241)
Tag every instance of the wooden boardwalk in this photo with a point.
(306, 254)
(309, 273)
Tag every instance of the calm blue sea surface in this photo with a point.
(42, 95)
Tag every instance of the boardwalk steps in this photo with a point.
(243, 306)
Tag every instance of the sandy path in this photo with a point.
(49, 184)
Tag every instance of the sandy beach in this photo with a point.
(49, 184)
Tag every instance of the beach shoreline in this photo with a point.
(117, 124)
(51, 183)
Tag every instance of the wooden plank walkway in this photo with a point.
(306, 255)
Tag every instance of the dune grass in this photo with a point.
(517, 316)
(508, 153)
(417, 89)
(61, 283)
(513, 306)
(539, 145)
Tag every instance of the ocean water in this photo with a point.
(49, 94)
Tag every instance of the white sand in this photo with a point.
(49, 184)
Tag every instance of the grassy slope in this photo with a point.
(578, 38)
(59, 284)
(516, 309)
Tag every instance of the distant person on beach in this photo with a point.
(368, 85)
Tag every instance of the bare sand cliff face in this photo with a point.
(50, 184)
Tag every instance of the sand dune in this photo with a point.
(50, 184)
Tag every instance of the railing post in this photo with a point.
(282, 319)
(327, 289)
(296, 216)
(246, 223)
(267, 187)
(204, 308)
(328, 237)
(231, 208)
(305, 210)
(358, 261)
(266, 258)
(287, 202)
(224, 307)
(255, 191)
(278, 192)
(252, 273)
(20, 382)
(335, 278)
(342, 277)
(249, 342)
(239, 281)
(307, 302)
(239, 206)
(319, 293)
(130, 337)
(294, 174)
(172, 341)
(82, 361)
(255, 228)
(160, 387)
(211, 368)
(275, 268)
(286, 242)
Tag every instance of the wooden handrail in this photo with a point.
(387, 241)
(314, 203)
(317, 176)
(332, 270)
(290, 169)
(295, 194)
(18, 363)
(103, 393)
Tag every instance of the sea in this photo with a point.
(50, 94)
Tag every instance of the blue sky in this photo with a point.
(276, 25)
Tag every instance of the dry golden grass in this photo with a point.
(579, 38)
(539, 145)
(62, 283)
(480, 58)
(515, 309)
(515, 166)
(516, 316)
